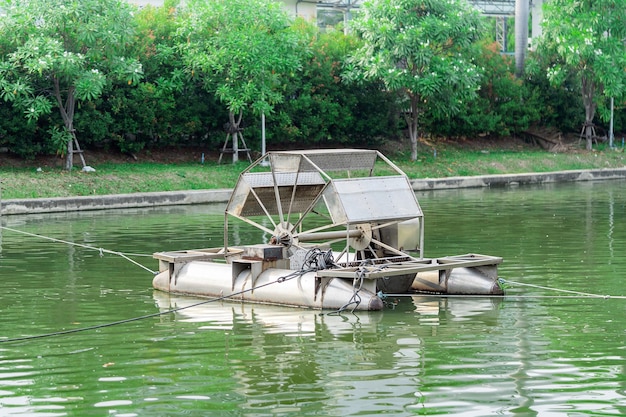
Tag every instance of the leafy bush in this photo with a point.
(322, 110)
(505, 105)
(561, 107)
(171, 108)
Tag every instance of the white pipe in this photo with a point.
(265, 162)
(611, 126)
(521, 35)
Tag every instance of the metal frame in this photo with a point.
(362, 191)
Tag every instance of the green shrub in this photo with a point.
(505, 105)
(322, 110)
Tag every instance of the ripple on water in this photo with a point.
(477, 357)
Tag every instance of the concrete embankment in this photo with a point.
(518, 179)
(117, 201)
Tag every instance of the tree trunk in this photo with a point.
(411, 118)
(67, 114)
(69, 156)
(234, 131)
(588, 91)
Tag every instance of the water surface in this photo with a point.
(535, 352)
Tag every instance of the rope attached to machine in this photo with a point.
(314, 260)
(357, 286)
(576, 293)
(102, 251)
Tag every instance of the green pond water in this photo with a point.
(535, 352)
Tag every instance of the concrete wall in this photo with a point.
(62, 204)
(298, 8)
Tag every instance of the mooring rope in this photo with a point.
(102, 251)
(499, 297)
(576, 293)
(311, 265)
(357, 286)
(314, 260)
(138, 318)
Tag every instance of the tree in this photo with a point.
(322, 109)
(57, 53)
(587, 40)
(504, 105)
(243, 50)
(418, 48)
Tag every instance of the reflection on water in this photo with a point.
(366, 363)
(273, 319)
(523, 355)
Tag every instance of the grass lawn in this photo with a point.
(32, 179)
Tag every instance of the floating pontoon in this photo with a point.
(341, 227)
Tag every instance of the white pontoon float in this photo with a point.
(341, 226)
